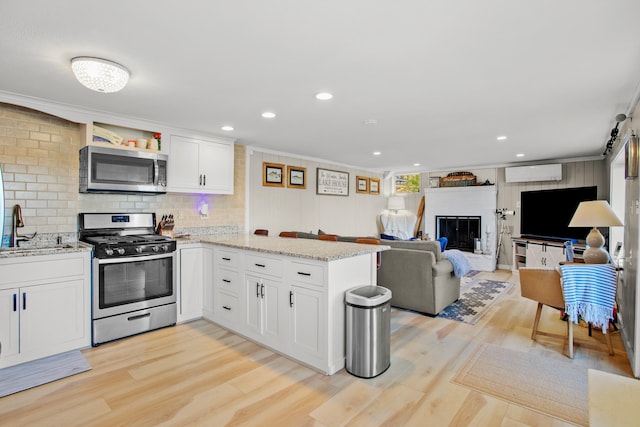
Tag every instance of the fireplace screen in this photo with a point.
(460, 231)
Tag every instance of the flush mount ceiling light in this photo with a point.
(99, 74)
(227, 128)
(501, 138)
(268, 115)
(324, 96)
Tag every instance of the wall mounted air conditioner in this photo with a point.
(531, 173)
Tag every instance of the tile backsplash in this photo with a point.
(39, 158)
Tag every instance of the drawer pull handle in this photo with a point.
(226, 308)
(260, 265)
(226, 259)
(302, 273)
(226, 280)
(140, 316)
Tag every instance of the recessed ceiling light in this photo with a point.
(501, 138)
(376, 153)
(227, 128)
(268, 115)
(370, 122)
(323, 96)
(416, 164)
(520, 155)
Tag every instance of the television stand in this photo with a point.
(541, 253)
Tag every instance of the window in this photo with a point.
(408, 183)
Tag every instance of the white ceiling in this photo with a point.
(442, 78)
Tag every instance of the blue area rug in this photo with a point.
(477, 296)
(42, 371)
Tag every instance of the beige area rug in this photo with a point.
(550, 386)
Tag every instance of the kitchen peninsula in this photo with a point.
(284, 293)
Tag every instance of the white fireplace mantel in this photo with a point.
(480, 200)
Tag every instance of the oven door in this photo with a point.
(122, 285)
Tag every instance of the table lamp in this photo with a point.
(395, 203)
(595, 213)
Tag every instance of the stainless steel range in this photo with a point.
(134, 274)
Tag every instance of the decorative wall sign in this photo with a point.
(362, 184)
(374, 185)
(272, 174)
(296, 177)
(333, 183)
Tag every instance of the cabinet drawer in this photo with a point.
(228, 280)
(227, 258)
(305, 273)
(263, 265)
(228, 307)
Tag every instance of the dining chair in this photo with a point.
(543, 286)
(293, 234)
(371, 241)
(328, 237)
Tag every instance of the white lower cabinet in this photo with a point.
(44, 306)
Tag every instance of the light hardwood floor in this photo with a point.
(200, 374)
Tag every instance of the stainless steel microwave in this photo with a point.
(113, 170)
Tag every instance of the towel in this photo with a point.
(460, 263)
(589, 293)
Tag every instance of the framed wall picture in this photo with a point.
(296, 177)
(272, 174)
(362, 184)
(332, 183)
(374, 185)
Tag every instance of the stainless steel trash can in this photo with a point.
(368, 330)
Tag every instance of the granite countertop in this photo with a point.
(302, 248)
(44, 250)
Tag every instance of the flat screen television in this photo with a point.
(545, 214)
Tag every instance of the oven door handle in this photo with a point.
(134, 258)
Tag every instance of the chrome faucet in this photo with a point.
(17, 222)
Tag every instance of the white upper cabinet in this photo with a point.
(199, 165)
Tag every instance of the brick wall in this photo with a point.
(39, 158)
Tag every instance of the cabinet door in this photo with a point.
(191, 284)
(305, 321)
(253, 303)
(183, 170)
(216, 166)
(271, 313)
(9, 322)
(51, 315)
(534, 256)
(554, 255)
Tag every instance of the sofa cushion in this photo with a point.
(418, 245)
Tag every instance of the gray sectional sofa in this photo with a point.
(418, 275)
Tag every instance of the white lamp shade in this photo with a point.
(595, 213)
(99, 74)
(395, 203)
